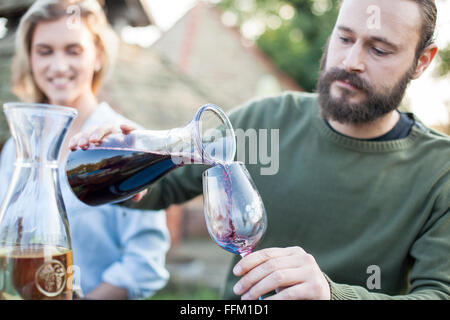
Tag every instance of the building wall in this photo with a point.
(148, 89)
(218, 58)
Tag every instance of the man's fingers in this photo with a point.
(298, 292)
(302, 291)
(275, 268)
(277, 279)
(264, 270)
(252, 260)
(278, 290)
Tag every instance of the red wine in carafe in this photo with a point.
(103, 175)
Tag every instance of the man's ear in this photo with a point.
(425, 60)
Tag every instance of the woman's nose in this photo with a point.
(59, 64)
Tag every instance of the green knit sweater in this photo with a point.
(375, 215)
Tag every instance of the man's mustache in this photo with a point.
(336, 74)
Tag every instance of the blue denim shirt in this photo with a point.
(120, 246)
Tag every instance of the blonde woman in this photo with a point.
(63, 51)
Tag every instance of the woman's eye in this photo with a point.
(44, 52)
(74, 51)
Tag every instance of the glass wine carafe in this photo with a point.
(35, 245)
(123, 165)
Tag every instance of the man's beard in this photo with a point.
(375, 105)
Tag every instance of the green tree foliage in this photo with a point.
(444, 61)
(295, 33)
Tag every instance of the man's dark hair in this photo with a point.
(429, 17)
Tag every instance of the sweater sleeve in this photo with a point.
(177, 187)
(429, 276)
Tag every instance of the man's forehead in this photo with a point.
(397, 20)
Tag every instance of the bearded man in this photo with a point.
(359, 206)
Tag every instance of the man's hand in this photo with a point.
(291, 272)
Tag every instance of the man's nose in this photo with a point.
(354, 60)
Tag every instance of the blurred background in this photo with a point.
(177, 55)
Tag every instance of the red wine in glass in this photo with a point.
(234, 212)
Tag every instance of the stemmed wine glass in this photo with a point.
(234, 211)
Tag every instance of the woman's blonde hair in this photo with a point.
(88, 11)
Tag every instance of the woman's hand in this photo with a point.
(106, 291)
(291, 272)
(95, 135)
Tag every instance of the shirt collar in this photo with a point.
(103, 113)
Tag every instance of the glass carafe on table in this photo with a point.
(35, 246)
(123, 165)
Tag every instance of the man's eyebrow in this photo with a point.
(373, 38)
(386, 42)
(346, 29)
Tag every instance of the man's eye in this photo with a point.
(345, 40)
(380, 52)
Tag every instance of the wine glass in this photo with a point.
(234, 212)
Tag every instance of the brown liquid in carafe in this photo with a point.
(36, 272)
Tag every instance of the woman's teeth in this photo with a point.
(60, 81)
